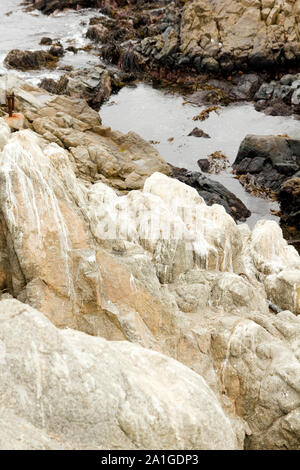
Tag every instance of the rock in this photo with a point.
(28, 60)
(144, 261)
(95, 86)
(215, 163)
(55, 5)
(270, 159)
(212, 192)
(16, 121)
(265, 92)
(289, 197)
(57, 50)
(210, 64)
(45, 41)
(97, 33)
(196, 132)
(240, 33)
(285, 288)
(109, 392)
(175, 36)
(287, 79)
(4, 133)
(279, 97)
(296, 99)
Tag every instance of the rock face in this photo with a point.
(227, 34)
(155, 267)
(112, 395)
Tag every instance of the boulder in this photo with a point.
(29, 60)
(270, 159)
(196, 132)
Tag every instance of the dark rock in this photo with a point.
(245, 86)
(57, 88)
(91, 83)
(97, 33)
(215, 163)
(49, 6)
(265, 92)
(204, 164)
(289, 197)
(196, 132)
(287, 79)
(277, 108)
(281, 98)
(26, 60)
(271, 159)
(283, 93)
(72, 49)
(57, 50)
(210, 64)
(198, 63)
(212, 192)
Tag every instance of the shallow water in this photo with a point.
(21, 30)
(157, 115)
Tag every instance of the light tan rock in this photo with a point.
(91, 393)
(4, 133)
(241, 30)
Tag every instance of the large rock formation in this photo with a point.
(208, 35)
(156, 267)
(68, 390)
(229, 34)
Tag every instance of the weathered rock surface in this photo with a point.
(241, 34)
(69, 390)
(94, 84)
(156, 267)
